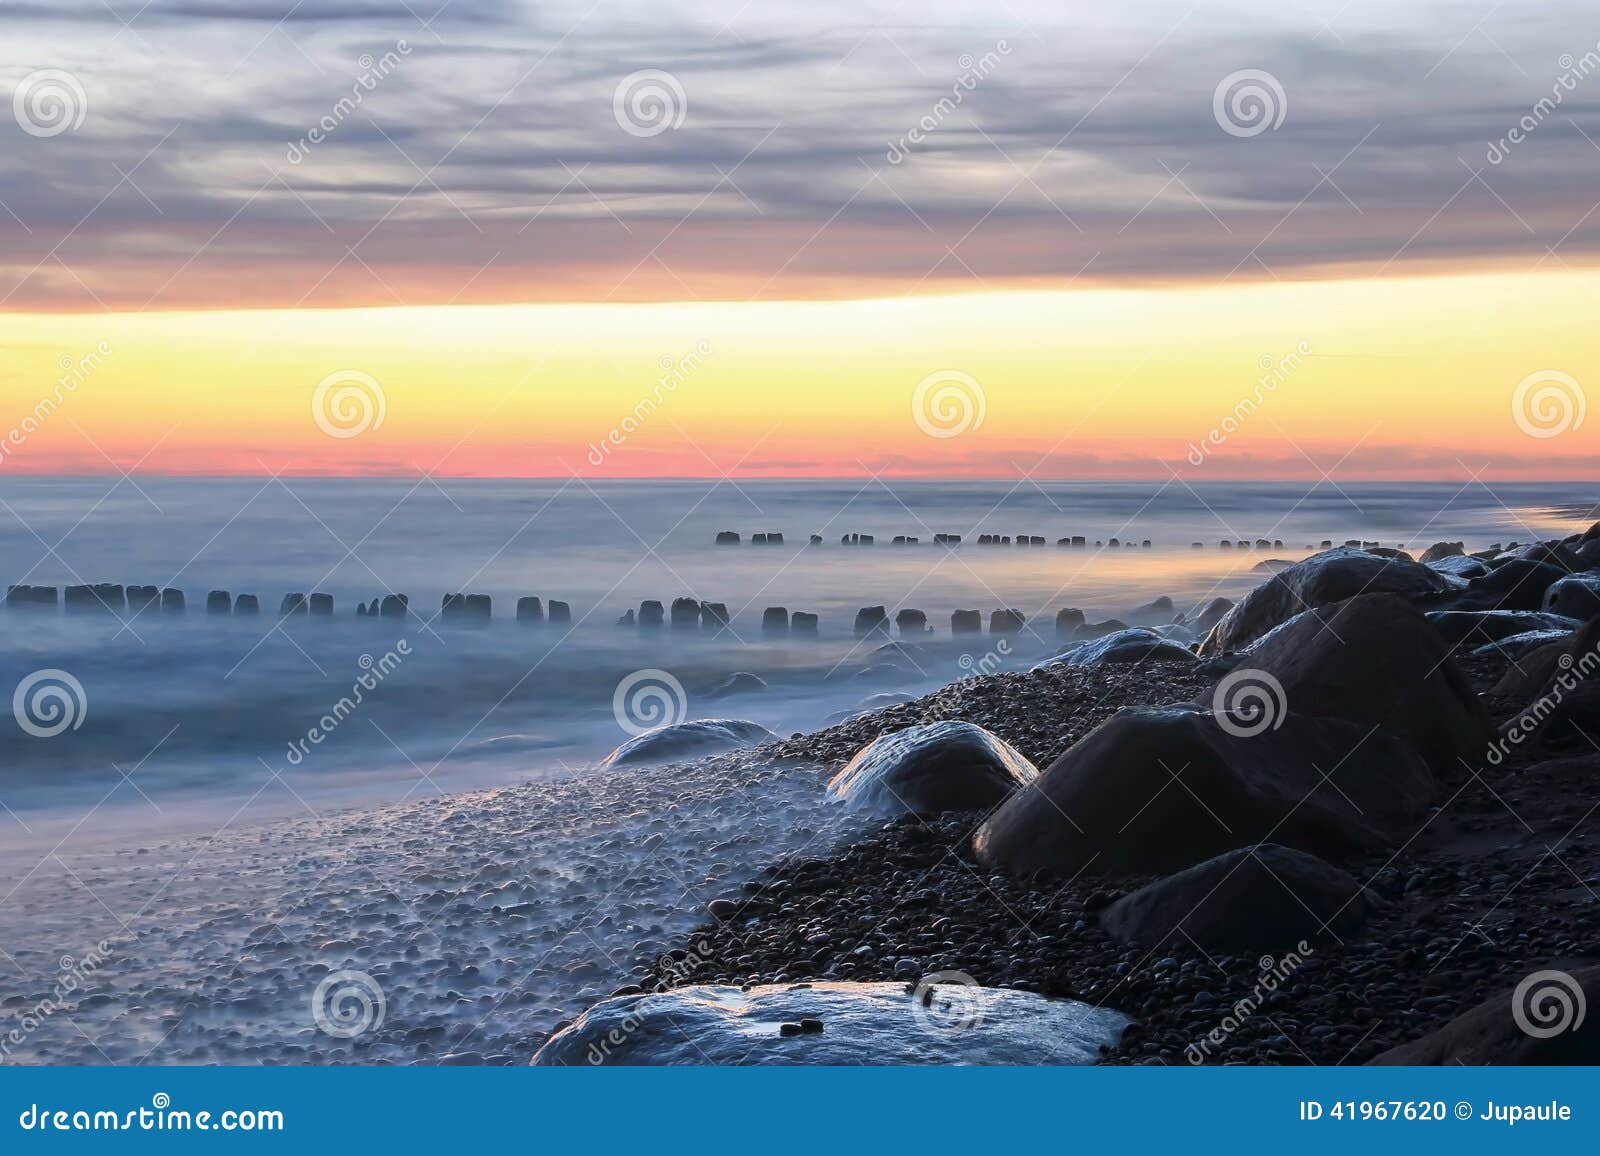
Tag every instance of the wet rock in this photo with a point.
(1463, 567)
(394, 606)
(1128, 796)
(1375, 660)
(1101, 629)
(1476, 627)
(685, 614)
(1574, 597)
(865, 1023)
(1323, 579)
(1133, 645)
(1443, 550)
(1215, 611)
(1260, 898)
(32, 596)
(927, 770)
(1519, 584)
(688, 740)
(1497, 1031)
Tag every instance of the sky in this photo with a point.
(494, 238)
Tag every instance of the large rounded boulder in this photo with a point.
(1135, 644)
(927, 770)
(1375, 661)
(1320, 580)
(1260, 898)
(1574, 597)
(1158, 789)
(688, 740)
(1543, 1020)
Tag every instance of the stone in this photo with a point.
(1517, 584)
(1537, 1022)
(871, 620)
(172, 601)
(1067, 621)
(911, 623)
(292, 604)
(1133, 645)
(775, 621)
(966, 622)
(1320, 580)
(713, 617)
(321, 604)
(560, 614)
(652, 615)
(685, 614)
(1443, 550)
(1160, 789)
(1006, 622)
(928, 770)
(1213, 613)
(530, 611)
(688, 740)
(933, 1022)
(1477, 627)
(394, 606)
(247, 604)
(1374, 660)
(803, 623)
(1575, 597)
(727, 538)
(1259, 898)
(219, 602)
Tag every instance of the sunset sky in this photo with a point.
(762, 239)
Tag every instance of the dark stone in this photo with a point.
(247, 604)
(394, 606)
(1006, 622)
(1443, 550)
(1322, 579)
(685, 614)
(627, 619)
(1473, 628)
(31, 596)
(292, 604)
(1519, 584)
(1213, 613)
(322, 604)
(727, 538)
(1110, 803)
(775, 620)
(1259, 898)
(1100, 629)
(1574, 597)
(966, 622)
(172, 601)
(1375, 660)
(479, 607)
(713, 617)
(1547, 1000)
(911, 623)
(688, 740)
(560, 614)
(872, 620)
(1068, 621)
(802, 623)
(219, 602)
(1133, 645)
(651, 615)
(927, 770)
(530, 610)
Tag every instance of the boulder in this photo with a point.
(219, 602)
(1518, 584)
(1463, 567)
(530, 611)
(816, 540)
(1262, 898)
(739, 682)
(688, 740)
(1160, 789)
(321, 604)
(394, 606)
(1006, 622)
(1101, 629)
(1443, 550)
(1158, 611)
(1513, 648)
(928, 770)
(1375, 661)
(651, 615)
(802, 623)
(966, 622)
(1133, 645)
(871, 620)
(1067, 621)
(1320, 580)
(1575, 597)
(361, 609)
(1546, 1019)
(1213, 613)
(944, 1019)
(247, 604)
(775, 621)
(911, 623)
(560, 614)
(1476, 627)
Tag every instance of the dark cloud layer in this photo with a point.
(373, 151)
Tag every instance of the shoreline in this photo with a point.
(908, 899)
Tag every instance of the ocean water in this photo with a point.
(448, 862)
(184, 717)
